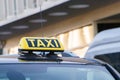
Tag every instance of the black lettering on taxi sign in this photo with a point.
(43, 43)
(40, 44)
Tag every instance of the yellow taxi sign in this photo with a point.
(40, 44)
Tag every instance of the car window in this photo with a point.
(53, 72)
(114, 61)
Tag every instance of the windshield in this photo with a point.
(53, 72)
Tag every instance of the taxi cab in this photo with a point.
(39, 60)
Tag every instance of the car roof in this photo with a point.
(72, 60)
(105, 43)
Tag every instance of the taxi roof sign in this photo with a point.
(40, 44)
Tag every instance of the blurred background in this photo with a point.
(74, 22)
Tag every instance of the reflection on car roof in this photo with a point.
(14, 59)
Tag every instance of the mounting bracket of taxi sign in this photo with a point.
(40, 44)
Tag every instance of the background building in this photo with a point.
(74, 22)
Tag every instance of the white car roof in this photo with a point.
(105, 42)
